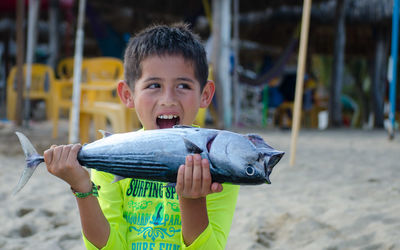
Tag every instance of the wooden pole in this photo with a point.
(20, 61)
(76, 95)
(305, 23)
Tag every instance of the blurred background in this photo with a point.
(344, 191)
(253, 49)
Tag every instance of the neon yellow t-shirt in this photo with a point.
(145, 215)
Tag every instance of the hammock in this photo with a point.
(278, 67)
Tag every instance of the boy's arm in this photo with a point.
(220, 209)
(95, 226)
(62, 162)
(193, 185)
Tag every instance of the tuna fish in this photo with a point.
(157, 155)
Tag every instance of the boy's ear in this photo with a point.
(125, 94)
(207, 94)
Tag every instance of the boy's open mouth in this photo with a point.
(167, 121)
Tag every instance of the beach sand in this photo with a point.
(342, 193)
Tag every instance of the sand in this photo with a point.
(342, 193)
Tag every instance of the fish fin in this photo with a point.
(105, 133)
(182, 126)
(33, 159)
(117, 178)
(191, 147)
(257, 141)
(170, 184)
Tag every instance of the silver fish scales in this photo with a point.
(157, 155)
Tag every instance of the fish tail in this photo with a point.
(33, 159)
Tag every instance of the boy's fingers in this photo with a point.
(65, 153)
(48, 156)
(72, 156)
(216, 187)
(57, 151)
(179, 179)
(188, 172)
(197, 174)
(206, 176)
(76, 147)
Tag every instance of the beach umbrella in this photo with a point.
(393, 67)
(76, 94)
(305, 23)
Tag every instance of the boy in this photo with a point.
(166, 82)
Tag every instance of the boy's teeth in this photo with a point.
(167, 116)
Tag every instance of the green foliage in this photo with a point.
(322, 68)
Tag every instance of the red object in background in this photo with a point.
(67, 3)
(11, 5)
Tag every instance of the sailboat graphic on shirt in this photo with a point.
(157, 228)
(158, 216)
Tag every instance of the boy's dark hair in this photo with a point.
(162, 40)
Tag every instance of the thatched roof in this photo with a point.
(357, 11)
(268, 23)
(275, 26)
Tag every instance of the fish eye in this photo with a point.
(250, 171)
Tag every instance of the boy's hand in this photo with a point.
(62, 162)
(194, 179)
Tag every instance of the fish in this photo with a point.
(242, 159)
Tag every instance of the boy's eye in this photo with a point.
(184, 86)
(153, 86)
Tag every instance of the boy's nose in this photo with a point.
(168, 98)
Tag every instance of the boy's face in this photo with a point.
(167, 93)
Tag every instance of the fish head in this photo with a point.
(246, 158)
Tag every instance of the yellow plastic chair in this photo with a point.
(99, 100)
(56, 93)
(101, 73)
(63, 90)
(62, 100)
(93, 107)
(102, 68)
(42, 81)
(96, 68)
(65, 68)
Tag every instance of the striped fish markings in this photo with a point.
(157, 154)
